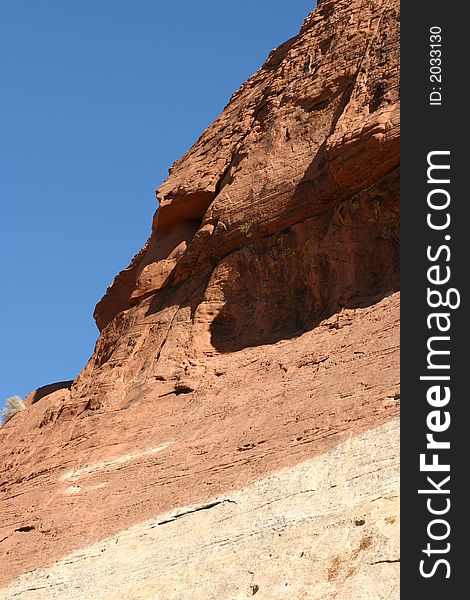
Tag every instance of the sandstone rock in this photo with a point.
(45, 390)
(284, 211)
(324, 528)
(248, 354)
(77, 476)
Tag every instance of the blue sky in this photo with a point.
(99, 98)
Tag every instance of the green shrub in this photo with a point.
(288, 252)
(14, 405)
(245, 229)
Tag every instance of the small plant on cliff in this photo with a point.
(13, 406)
(245, 229)
(288, 252)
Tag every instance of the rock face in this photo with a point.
(311, 531)
(236, 423)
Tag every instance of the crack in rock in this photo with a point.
(197, 509)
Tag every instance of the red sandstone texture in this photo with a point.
(258, 326)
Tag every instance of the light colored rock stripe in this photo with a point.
(110, 464)
(326, 528)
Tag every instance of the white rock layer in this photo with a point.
(326, 528)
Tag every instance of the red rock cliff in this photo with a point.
(258, 326)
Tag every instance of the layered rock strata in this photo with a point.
(324, 528)
(244, 387)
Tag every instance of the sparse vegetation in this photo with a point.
(13, 406)
(245, 229)
(288, 252)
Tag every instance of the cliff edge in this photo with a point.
(235, 431)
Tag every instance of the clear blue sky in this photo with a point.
(98, 98)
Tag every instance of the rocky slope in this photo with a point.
(233, 433)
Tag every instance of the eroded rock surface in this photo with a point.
(324, 528)
(252, 341)
(285, 209)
